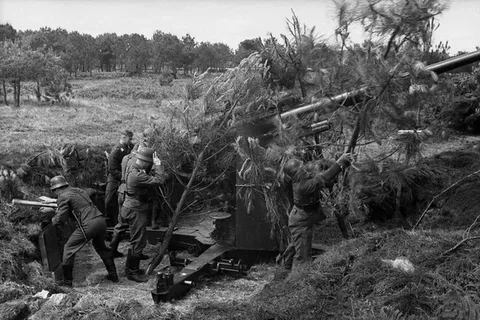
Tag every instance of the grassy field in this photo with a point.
(101, 108)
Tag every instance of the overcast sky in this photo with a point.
(228, 21)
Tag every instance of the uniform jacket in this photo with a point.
(139, 187)
(75, 203)
(307, 186)
(115, 161)
(127, 163)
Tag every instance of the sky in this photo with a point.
(227, 21)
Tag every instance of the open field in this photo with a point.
(100, 110)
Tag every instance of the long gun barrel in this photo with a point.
(29, 203)
(348, 98)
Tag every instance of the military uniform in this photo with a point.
(122, 225)
(306, 212)
(90, 225)
(137, 204)
(114, 179)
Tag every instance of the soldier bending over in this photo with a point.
(76, 203)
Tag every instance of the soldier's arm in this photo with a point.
(90, 192)
(63, 209)
(144, 180)
(321, 179)
(114, 163)
(124, 166)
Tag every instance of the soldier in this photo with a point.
(90, 225)
(307, 181)
(122, 226)
(139, 181)
(156, 214)
(115, 174)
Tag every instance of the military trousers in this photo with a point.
(94, 230)
(137, 220)
(300, 224)
(111, 200)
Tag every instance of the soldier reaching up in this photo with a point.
(144, 175)
(307, 182)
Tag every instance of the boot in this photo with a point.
(110, 266)
(114, 246)
(67, 276)
(132, 268)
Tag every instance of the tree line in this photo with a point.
(133, 53)
(49, 56)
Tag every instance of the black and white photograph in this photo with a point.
(240, 159)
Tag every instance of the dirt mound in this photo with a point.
(460, 206)
(20, 274)
(351, 281)
(389, 189)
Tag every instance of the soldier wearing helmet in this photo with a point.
(115, 157)
(307, 180)
(145, 174)
(90, 225)
(122, 226)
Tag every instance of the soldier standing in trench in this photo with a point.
(90, 225)
(146, 173)
(307, 181)
(122, 226)
(115, 174)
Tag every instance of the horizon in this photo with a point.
(214, 20)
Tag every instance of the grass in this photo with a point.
(101, 109)
(350, 281)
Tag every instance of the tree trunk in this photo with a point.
(168, 235)
(17, 104)
(37, 92)
(14, 84)
(4, 93)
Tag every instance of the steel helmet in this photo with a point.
(58, 182)
(292, 167)
(148, 132)
(145, 154)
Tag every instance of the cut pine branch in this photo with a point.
(188, 188)
(178, 210)
(458, 245)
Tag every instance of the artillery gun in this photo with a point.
(248, 232)
(351, 98)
